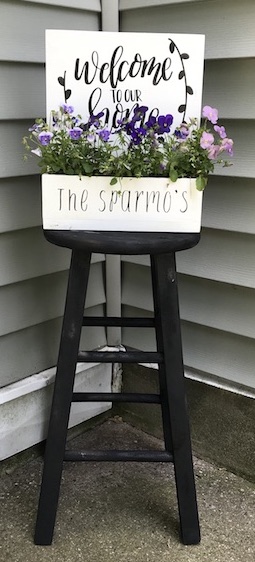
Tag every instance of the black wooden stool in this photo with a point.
(162, 248)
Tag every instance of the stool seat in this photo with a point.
(131, 243)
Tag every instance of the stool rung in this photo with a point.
(114, 456)
(120, 357)
(117, 321)
(116, 397)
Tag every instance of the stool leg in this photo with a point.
(61, 404)
(173, 385)
(161, 368)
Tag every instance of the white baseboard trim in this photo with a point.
(223, 384)
(25, 405)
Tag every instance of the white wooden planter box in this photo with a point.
(132, 204)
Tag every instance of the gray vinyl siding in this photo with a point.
(23, 24)
(217, 278)
(227, 24)
(34, 349)
(33, 273)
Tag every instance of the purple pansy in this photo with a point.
(207, 139)
(221, 131)
(91, 137)
(210, 113)
(45, 137)
(213, 151)
(37, 151)
(182, 133)
(139, 112)
(164, 123)
(67, 108)
(227, 146)
(137, 134)
(162, 166)
(104, 135)
(95, 119)
(76, 120)
(35, 128)
(151, 122)
(75, 133)
(141, 109)
(129, 127)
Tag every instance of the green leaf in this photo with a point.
(55, 168)
(173, 176)
(201, 183)
(87, 168)
(113, 181)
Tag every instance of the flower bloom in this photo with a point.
(210, 113)
(213, 151)
(227, 145)
(91, 137)
(137, 134)
(139, 113)
(35, 128)
(164, 123)
(151, 122)
(206, 140)
(37, 151)
(104, 135)
(45, 137)
(95, 119)
(76, 120)
(221, 131)
(162, 166)
(142, 144)
(75, 133)
(182, 133)
(67, 108)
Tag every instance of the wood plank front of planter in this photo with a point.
(131, 205)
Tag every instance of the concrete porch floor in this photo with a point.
(126, 512)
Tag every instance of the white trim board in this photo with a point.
(222, 384)
(25, 405)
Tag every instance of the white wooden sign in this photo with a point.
(140, 205)
(113, 72)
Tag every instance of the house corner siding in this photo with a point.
(33, 273)
(217, 277)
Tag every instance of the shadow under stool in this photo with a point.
(162, 248)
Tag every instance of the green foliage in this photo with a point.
(137, 148)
